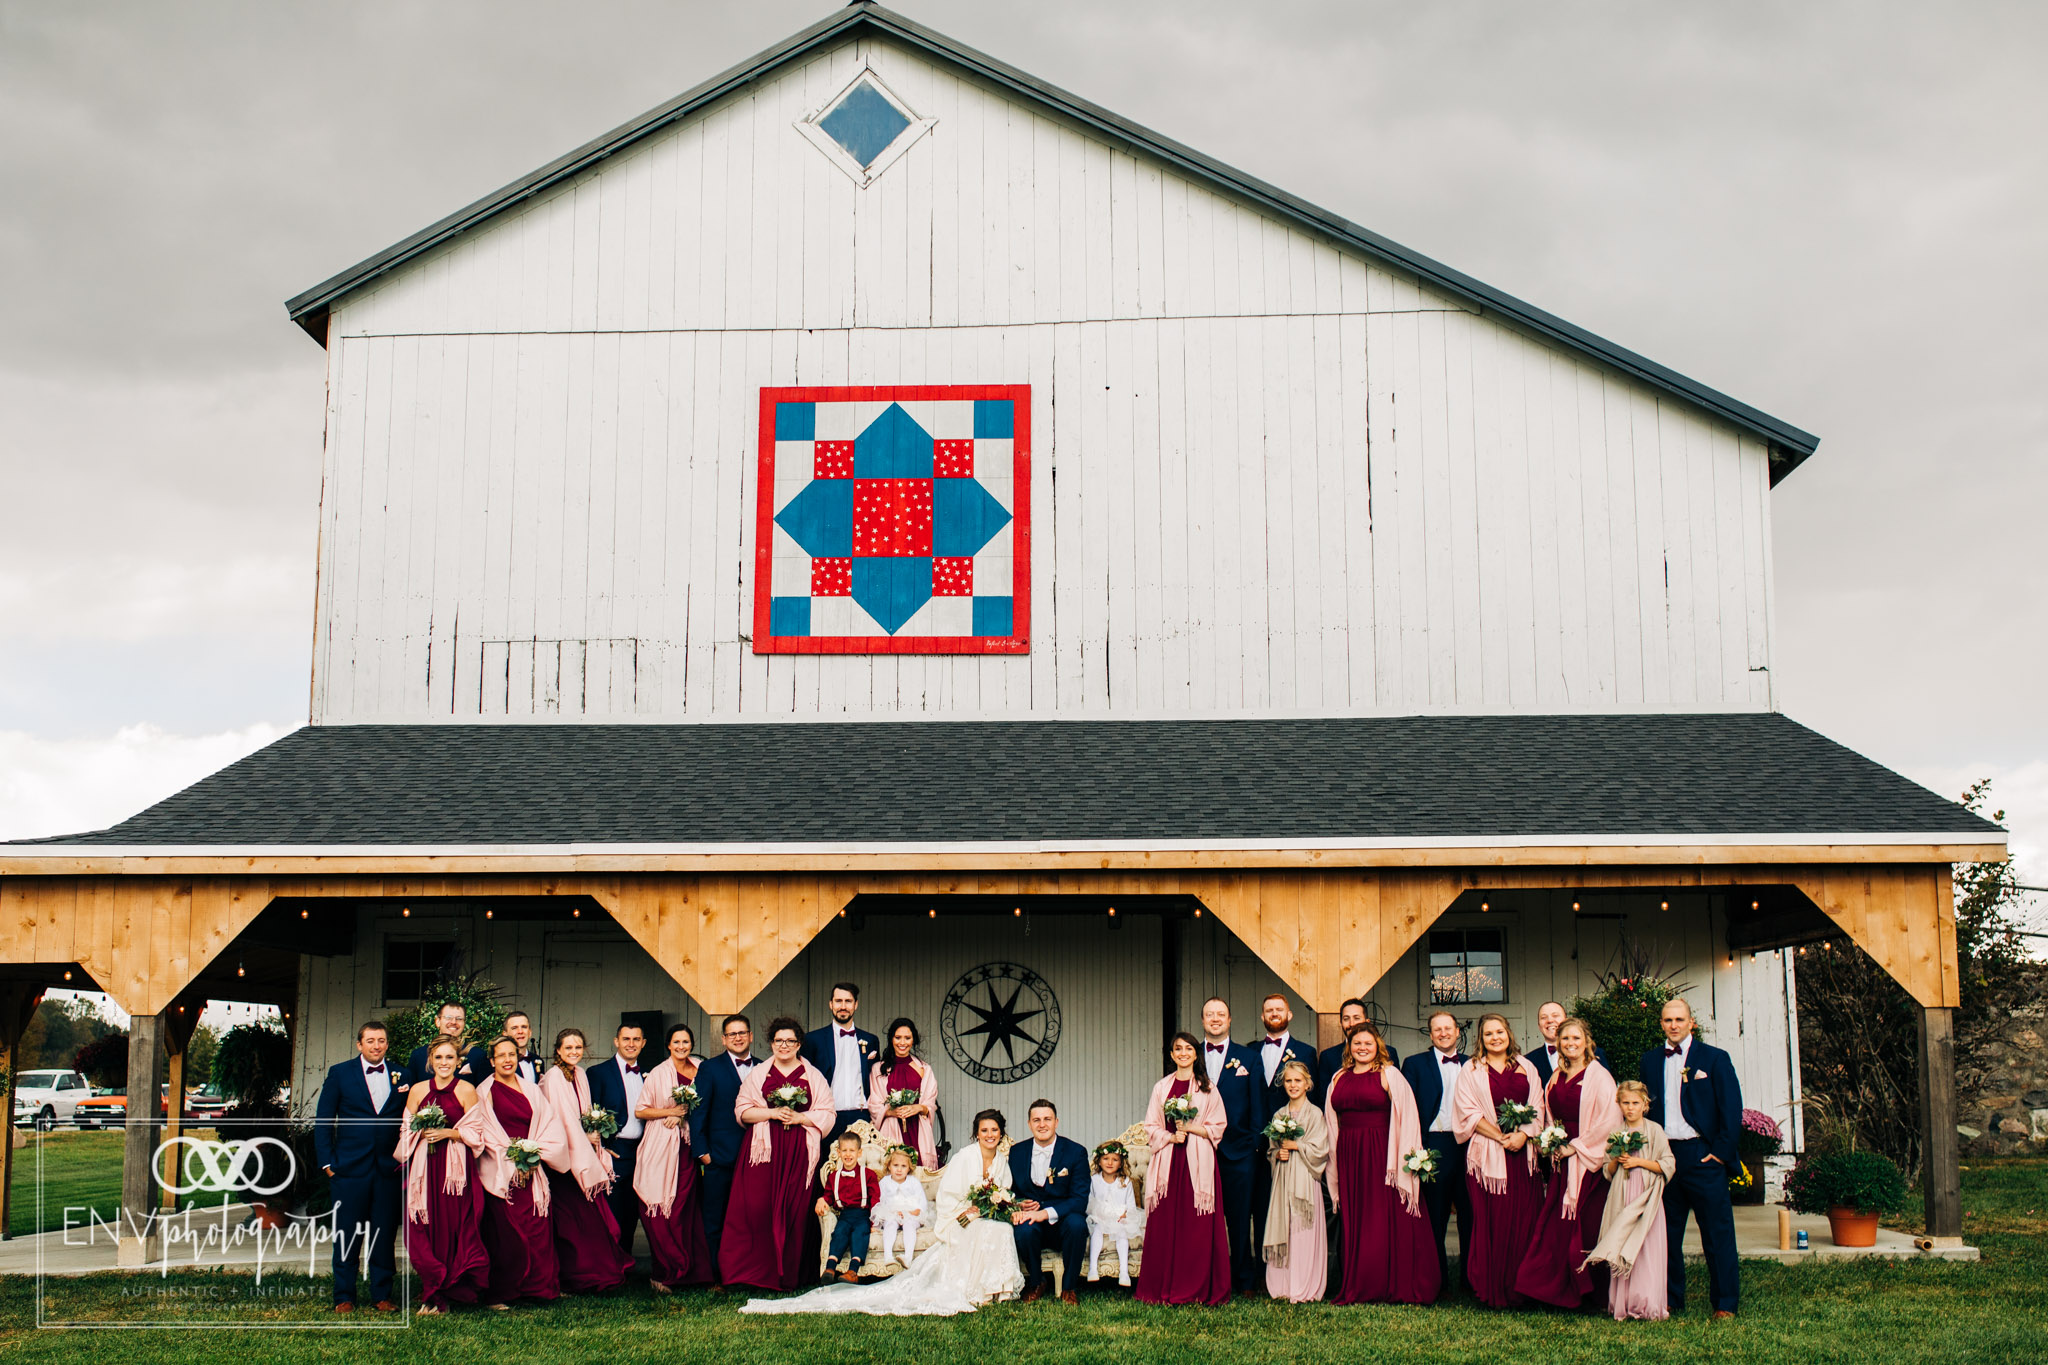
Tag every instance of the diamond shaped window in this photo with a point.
(864, 129)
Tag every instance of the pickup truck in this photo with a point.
(47, 1098)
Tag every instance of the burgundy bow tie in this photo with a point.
(374, 1066)
(846, 1033)
(632, 1068)
(1672, 1051)
(746, 1061)
(1455, 1059)
(1275, 1040)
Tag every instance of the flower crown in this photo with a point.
(903, 1147)
(1112, 1147)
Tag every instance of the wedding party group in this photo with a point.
(1267, 1169)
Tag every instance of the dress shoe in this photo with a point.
(386, 1306)
(344, 1307)
(1033, 1294)
(1720, 1313)
(1070, 1298)
(849, 1276)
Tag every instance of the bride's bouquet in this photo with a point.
(1420, 1162)
(1625, 1142)
(524, 1154)
(789, 1097)
(1553, 1141)
(683, 1097)
(601, 1121)
(1513, 1114)
(991, 1200)
(1180, 1110)
(900, 1098)
(427, 1117)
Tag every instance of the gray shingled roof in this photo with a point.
(1426, 777)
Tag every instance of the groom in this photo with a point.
(1050, 1176)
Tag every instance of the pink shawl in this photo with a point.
(1599, 1115)
(1488, 1160)
(817, 1122)
(545, 1131)
(1200, 1146)
(1404, 1135)
(592, 1166)
(413, 1150)
(662, 1149)
(891, 1130)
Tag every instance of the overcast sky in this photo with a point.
(1833, 212)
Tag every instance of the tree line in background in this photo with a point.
(1859, 1033)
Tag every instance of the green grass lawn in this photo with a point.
(79, 1171)
(1996, 1310)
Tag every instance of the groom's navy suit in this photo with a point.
(357, 1141)
(1709, 1099)
(1065, 1192)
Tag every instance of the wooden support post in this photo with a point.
(179, 1021)
(138, 1183)
(1329, 1031)
(18, 1001)
(1940, 1153)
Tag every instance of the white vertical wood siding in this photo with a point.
(1268, 475)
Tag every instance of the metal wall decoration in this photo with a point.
(1000, 1022)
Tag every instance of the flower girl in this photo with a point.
(1113, 1211)
(1632, 1237)
(901, 1207)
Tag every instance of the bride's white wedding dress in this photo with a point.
(968, 1267)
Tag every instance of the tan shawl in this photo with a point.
(1294, 1203)
(1625, 1224)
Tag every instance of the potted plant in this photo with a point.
(1852, 1188)
(1759, 1140)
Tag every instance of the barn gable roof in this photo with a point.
(1788, 444)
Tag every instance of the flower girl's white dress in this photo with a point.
(968, 1267)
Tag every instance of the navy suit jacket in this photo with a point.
(349, 1133)
(1242, 1091)
(608, 1087)
(1425, 1076)
(1271, 1097)
(1540, 1059)
(714, 1129)
(1066, 1194)
(823, 1054)
(473, 1067)
(1711, 1101)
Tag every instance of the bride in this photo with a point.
(974, 1262)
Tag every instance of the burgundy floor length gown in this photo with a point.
(586, 1233)
(1187, 1252)
(1389, 1253)
(447, 1251)
(1503, 1224)
(1550, 1272)
(676, 1241)
(903, 1076)
(519, 1238)
(770, 1232)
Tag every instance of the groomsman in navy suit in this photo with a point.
(449, 1019)
(1433, 1076)
(718, 1087)
(519, 1028)
(1235, 1075)
(615, 1084)
(355, 1135)
(1277, 1015)
(1550, 1017)
(1050, 1175)
(844, 1053)
(1350, 1015)
(1702, 1126)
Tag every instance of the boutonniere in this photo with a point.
(1687, 1074)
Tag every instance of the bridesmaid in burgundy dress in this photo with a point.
(517, 1233)
(586, 1234)
(900, 1069)
(1581, 1099)
(443, 1213)
(1187, 1247)
(665, 1172)
(771, 1235)
(1389, 1251)
(1500, 1168)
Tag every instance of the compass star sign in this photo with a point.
(1000, 1007)
(1002, 1023)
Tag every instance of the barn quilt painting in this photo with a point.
(894, 520)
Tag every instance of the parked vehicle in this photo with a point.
(106, 1109)
(47, 1098)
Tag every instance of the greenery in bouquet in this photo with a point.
(427, 1117)
(1513, 1114)
(601, 1121)
(991, 1200)
(1420, 1162)
(899, 1099)
(524, 1154)
(1283, 1128)
(789, 1097)
(1180, 1109)
(1625, 1142)
(1553, 1141)
(683, 1097)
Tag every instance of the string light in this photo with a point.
(1484, 907)
(1756, 905)
(1112, 912)
(576, 913)
(303, 914)
(1198, 912)
(405, 912)
(490, 914)
(1663, 905)
(1575, 907)
(1020, 910)
(238, 968)
(67, 973)
(932, 913)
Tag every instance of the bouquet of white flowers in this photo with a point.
(1513, 1114)
(601, 1121)
(427, 1117)
(1420, 1162)
(524, 1154)
(1180, 1109)
(899, 1098)
(683, 1097)
(1553, 1141)
(789, 1097)
(1625, 1142)
(1284, 1128)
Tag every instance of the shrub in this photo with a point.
(1625, 1011)
(1868, 1182)
(104, 1061)
(483, 1005)
(1760, 1135)
(253, 1063)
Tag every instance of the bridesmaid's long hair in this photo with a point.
(560, 1038)
(1200, 1068)
(1479, 1032)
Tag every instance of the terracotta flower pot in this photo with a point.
(1852, 1227)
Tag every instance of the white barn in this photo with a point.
(1350, 625)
